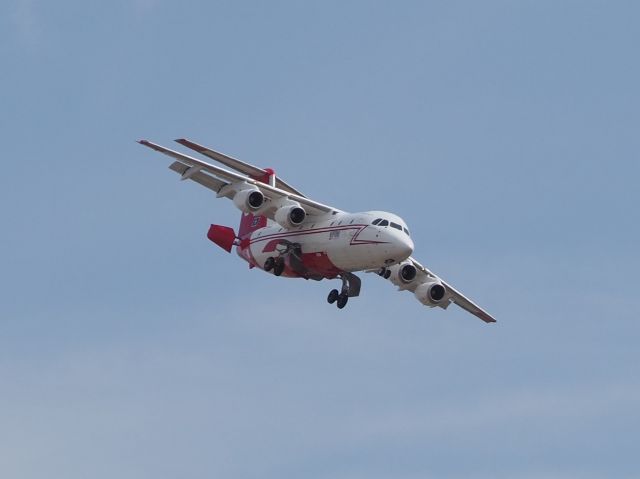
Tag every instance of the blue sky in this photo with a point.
(505, 133)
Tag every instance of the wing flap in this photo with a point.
(204, 179)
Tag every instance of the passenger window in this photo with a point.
(396, 226)
(383, 223)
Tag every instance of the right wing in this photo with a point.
(216, 178)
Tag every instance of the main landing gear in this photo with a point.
(350, 289)
(291, 251)
(286, 250)
(275, 264)
(339, 298)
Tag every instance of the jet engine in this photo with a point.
(290, 215)
(249, 200)
(400, 274)
(407, 272)
(430, 293)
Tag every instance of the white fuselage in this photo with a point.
(333, 244)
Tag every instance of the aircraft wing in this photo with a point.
(452, 295)
(238, 165)
(425, 276)
(216, 178)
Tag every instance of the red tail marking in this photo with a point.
(249, 222)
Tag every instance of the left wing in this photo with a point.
(430, 289)
(455, 296)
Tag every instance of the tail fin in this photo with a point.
(250, 222)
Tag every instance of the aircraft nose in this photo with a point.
(401, 246)
(405, 247)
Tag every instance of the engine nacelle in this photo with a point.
(407, 273)
(249, 200)
(431, 293)
(290, 215)
(400, 274)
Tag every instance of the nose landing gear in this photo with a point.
(350, 289)
(384, 272)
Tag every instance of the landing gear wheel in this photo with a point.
(270, 263)
(278, 268)
(342, 300)
(333, 296)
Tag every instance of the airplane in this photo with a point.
(284, 232)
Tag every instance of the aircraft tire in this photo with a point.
(333, 296)
(270, 263)
(278, 268)
(342, 301)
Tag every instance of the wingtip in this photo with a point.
(488, 319)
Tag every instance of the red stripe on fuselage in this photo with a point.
(290, 234)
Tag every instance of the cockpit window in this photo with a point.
(406, 231)
(375, 222)
(396, 226)
(383, 223)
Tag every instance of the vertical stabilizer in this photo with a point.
(250, 222)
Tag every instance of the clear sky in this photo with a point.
(506, 133)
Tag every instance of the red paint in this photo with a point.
(250, 223)
(291, 234)
(319, 263)
(266, 177)
(271, 246)
(223, 236)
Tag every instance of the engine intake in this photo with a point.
(408, 273)
(297, 215)
(248, 200)
(431, 293)
(290, 215)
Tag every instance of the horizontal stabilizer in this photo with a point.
(223, 236)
